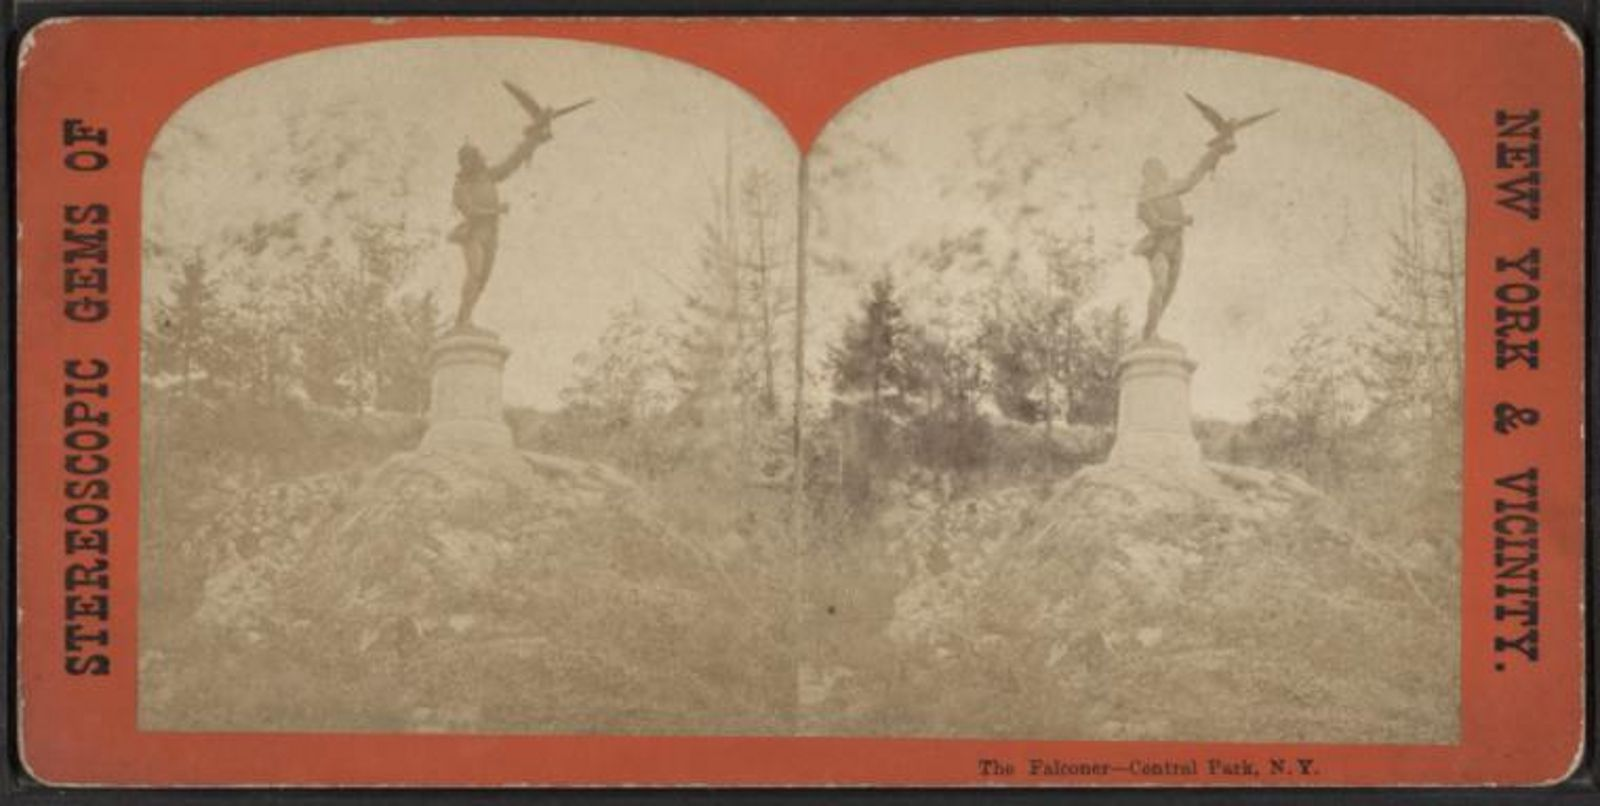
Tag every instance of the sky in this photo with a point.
(611, 210)
(1295, 224)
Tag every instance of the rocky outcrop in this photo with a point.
(515, 592)
(485, 590)
(1217, 602)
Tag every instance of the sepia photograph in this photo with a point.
(517, 385)
(447, 415)
(1135, 404)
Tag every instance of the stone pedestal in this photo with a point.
(1154, 428)
(466, 409)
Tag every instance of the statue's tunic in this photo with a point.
(478, 201)
(1163, 215)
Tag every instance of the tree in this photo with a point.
(1030, 334)
(362, 341)
(624, 381)
(180, 340)
(1312, 402)
(1409, 445)
(772, 299)
(871, 359)
(255, 341)
(1029, 184)
(949, 433)
(1374, 416)
(874, 379)
(404, 373)
(1013, 350)
(1415, 351)
(730, 331)
(1072, 274)
(1099, 342)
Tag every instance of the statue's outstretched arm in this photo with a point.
(1207, 164)
(518, 156)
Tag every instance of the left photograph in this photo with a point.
(466, 386)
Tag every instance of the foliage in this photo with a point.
(625, 379)
(872, 359)
(730, 328)
(1312, 402)
(1376, 419)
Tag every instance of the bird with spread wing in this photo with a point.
(542, 116)
(1225, 127)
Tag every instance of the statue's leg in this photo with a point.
(1159, 295)
(491, 247)
(1174, 268)
(480, 261)
(472, 284)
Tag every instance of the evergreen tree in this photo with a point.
(731, 334)
(771, 295)
(871, 360)
(180, 341)
(1415, 354)
(874, 381)
(710, 333)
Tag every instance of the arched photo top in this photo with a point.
(1014, 68)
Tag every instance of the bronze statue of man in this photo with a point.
(1161, 210)
(478, 201)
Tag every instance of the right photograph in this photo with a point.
(1131, 405)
